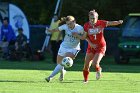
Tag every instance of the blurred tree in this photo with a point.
(37, 12)
(41, 11)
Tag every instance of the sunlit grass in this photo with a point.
(28, 77)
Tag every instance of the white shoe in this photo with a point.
(48, 79)
(85, 82)
(99, 74)
(61, 78)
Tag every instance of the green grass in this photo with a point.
(28, 77)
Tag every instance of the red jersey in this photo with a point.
(95, 33)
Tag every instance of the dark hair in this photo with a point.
(6, 18)
(20, 29)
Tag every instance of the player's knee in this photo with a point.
(86, 68)
(94, 64)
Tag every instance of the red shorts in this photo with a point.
(97, 50)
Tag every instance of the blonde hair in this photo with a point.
(70, 18)
(93, 13)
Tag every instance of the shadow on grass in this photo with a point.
(17, 81)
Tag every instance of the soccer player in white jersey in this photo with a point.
(70, 45)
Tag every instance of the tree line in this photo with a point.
(41, 11)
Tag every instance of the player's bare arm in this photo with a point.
(114, 23)
(52, 30)
(80, 36)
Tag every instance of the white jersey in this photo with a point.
(69, 40)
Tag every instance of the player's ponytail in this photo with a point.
(62, 21)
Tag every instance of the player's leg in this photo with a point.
(96, 64)
(96, 61)
(57, 69)
(87, 64)
(69, 53)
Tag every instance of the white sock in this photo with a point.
(57, 69)
(62, 70)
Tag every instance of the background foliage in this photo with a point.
(41, 11)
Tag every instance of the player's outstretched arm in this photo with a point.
(52, 30)
(114, 23)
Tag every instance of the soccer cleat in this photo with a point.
(99, 74)
(61, 78)
(48, 79)
(85, 82)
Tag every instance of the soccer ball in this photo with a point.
(67, 62)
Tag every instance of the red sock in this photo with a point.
(97, 68)
(85, 74)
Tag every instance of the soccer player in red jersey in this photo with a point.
(96, 43)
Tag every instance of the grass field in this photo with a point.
(28, 77)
